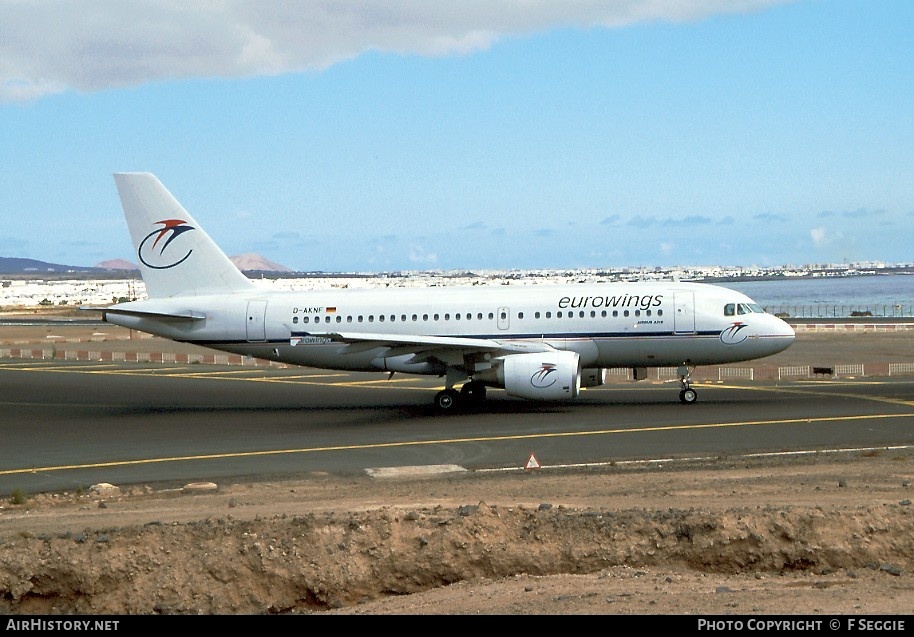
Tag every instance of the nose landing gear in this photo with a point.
(688, 395)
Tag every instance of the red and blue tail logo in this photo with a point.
(156, 250)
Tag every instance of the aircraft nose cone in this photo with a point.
(785, 329)
(782, 333)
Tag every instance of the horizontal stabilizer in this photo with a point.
(189, 315)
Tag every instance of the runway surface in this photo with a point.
(67, 425)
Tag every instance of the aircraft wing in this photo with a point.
(408, 343)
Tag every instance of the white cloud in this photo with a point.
(48, 46)
(418, 254)
(822, 236)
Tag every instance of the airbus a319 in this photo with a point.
(538, 342)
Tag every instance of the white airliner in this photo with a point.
(540, 342)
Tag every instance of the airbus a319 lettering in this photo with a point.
(539, 342)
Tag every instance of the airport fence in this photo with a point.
(708, 373)
(889, 310)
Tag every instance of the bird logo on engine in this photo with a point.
(545, 376)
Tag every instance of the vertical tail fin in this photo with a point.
(176, 256)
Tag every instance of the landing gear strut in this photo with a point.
(473, 392)
(449, 399)
(687, 395)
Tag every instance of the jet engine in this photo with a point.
(541, 376)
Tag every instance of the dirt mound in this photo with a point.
(820, 536)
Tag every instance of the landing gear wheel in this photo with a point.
(473, 392)
(447, 399)
(688, 396)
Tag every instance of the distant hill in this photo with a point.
(255, 263)
(16, 265)
(117, 264)
(13, 265)
(248, 262)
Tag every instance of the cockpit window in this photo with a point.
(730, 309)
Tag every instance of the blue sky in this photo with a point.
(384, 136)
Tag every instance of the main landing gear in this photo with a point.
(688, 395)
(472, 393)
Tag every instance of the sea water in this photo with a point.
(890, 295)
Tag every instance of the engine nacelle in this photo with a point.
(593, 376)
(542, 376)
